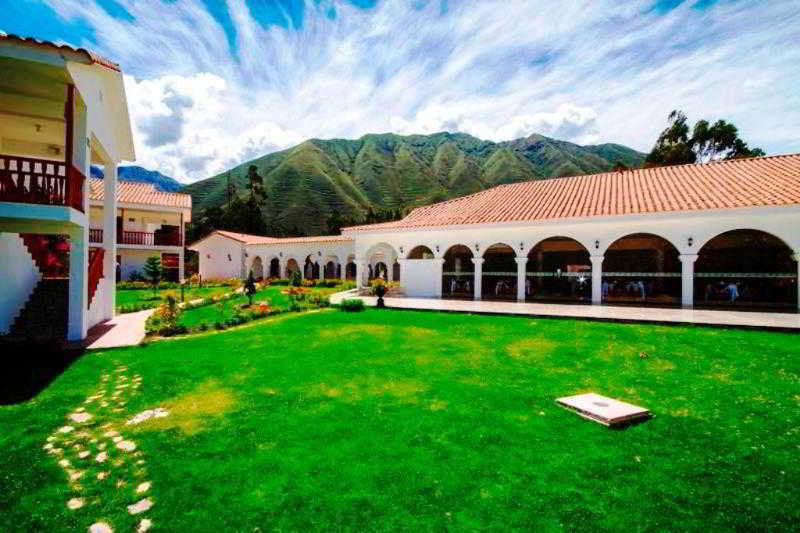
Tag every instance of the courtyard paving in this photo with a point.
(616, 313)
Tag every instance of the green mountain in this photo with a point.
(346, 179)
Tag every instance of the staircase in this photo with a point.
(44, 317)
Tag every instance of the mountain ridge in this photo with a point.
(320, 179)
(139, 174)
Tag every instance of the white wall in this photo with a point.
(421, 277)
(213, 255)
(134, 260)
(595, 233)
(19, 277)
(97, 307)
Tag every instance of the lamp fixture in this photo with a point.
(401, 250)
(477, 248)
(690, 241)
(596, 245)
(437, 248)
(521, 246)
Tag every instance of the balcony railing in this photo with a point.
(139, 238)
(39, 181)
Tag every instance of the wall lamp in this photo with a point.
(401, 250)
(521, 246)
(477, 248)
(280, 254)
(597, 245)
(437, 248)
(690, 241)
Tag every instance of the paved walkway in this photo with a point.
(122, 330)
(746, 319)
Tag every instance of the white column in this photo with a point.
(110, 238)
(597, 279)
(478, 280)
(181, 265)
(78, 309)
(796, 257)
(390, 271)
(402, 263)
(320, 271)
(687, 279)
(522, 263)
(437, 271)
(361, 271)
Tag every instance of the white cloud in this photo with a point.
(601, 71)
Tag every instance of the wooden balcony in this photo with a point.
(39, 181)
(139, 238)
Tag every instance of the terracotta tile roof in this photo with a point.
(91, 56)
(257, 239)
(752, 182)
(131, 192)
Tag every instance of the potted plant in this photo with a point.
(380, 291)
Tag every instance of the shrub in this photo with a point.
(297, 279)
(352, 305)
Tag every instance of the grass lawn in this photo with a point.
(400, 420)
(220, 312)
(143, 296)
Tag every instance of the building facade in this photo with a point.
(61, 109)
(149, 223)
(719, 235)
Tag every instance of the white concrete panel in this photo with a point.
(18, 277)
(422, 277)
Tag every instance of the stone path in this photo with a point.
(783, 321)
(122, 330)
(97, 459)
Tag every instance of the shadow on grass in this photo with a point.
(31, 366)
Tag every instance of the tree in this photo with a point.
(153, 270)
(297, 279)
(250, 287)
(255, 184)
(707, 142)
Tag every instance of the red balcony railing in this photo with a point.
(95, 235)
(39, 181)
(141, 238)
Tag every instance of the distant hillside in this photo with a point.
(139, 174)
(306, 184)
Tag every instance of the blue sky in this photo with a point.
(212, 83)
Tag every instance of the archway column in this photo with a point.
(402, 263)
(522, 263)
(439, 262)
(597, 278)
(796, 257)
(478, 277)
(361, 270)
(687, 279)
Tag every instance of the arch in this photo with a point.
(558, 269)
(257, 268)
(378, 270)
(745, 268)
(642, 268)
(329, 272)
(274, 268)
(292, 266)
(499, 276)
(350, 270)
(420, 252)
(458, 273)
(396, 271)
(311, 267)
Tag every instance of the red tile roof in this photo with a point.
(257, 239)
(131, 192)
(753, 182)
(91, 56)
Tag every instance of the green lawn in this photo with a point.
(145, 296)
(400, 420)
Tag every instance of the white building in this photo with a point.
(225, 254)
(61, 109)
(149, 223)
(724, 234)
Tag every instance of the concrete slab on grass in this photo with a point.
(606, 411)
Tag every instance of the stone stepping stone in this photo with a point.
(75, 503)
(140, 506)
(143, 487)
(144, 525)
(100, 527)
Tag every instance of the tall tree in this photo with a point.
(706, 142)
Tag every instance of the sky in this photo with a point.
(214, 83)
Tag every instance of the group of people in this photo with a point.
(630, 288)
(722, 291)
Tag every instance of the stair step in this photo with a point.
(44, 316)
